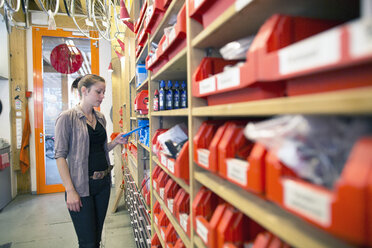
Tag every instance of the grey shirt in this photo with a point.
(72, 143)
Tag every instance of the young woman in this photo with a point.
(81, 152)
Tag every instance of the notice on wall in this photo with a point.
(19, 132)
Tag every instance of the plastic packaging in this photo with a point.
(162, 95)
(316, 148)
(176, 134)
(237, 49)
(169, 96)
(176, 96)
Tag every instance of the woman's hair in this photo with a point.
(87, 81)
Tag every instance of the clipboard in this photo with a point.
(134, 130)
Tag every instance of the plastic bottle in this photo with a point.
(156, 101)
(169, 96)
(183, 95)
(176, 96)
(162, 95)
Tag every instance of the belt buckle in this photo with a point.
(98, 175)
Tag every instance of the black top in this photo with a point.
(97, 155)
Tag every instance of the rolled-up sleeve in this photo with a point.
(62, 135)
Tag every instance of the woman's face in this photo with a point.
(95, 94)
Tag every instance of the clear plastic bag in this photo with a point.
(176, 134)
(236, 49)
(315, 147)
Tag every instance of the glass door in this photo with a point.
(60, 59)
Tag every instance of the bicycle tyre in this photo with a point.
(14, 7)
(1, 3)
(101, 17)
(24, 5)
(6, 19)
(82, 21)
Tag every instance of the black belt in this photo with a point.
(101, 174)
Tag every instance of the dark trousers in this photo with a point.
(89, 221)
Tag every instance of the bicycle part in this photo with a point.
(14, 5)
(101, 18)
(7, 18)
(47, 5)
(81, 15)
(67, 4)
(24, 5)
(1, 3)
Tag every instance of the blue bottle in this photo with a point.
(162, 95)
(176, 96)
(183, 95)
(169, 96)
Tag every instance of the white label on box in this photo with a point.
(172, 35)
(319, 50)
(183, 221)
(154, 184)
(207, 85)
(170, 205)
(240, 4)
(360, 38)
(197, 3)
(163, 159)
(237, 170)
(229, 78)
(162, 234)
(203, 157)
(165, 44)
(161, 191)
(156, 220)
(170, 165)
(202, 231)
(314, 204)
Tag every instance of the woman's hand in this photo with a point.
(73, 201)
(120, 140)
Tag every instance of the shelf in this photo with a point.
(179, 181)
(144, 146)
(173, 112)
(159, 236)
(181, 233)
(132, 158)
(228, 26)
(173, 8)
(142, 116)
(290, 228)
(143, 54)
(175, 69)
(354, 101)
(143, 86)
(198, 241)
(132, 80)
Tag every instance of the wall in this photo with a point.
(105, 58)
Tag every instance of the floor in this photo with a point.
(43, 221)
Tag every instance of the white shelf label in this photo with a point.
(183, 221)
(170, 165)
(172, 35)
(360, 38)
(163, 159)
(202, 231)
(237, 170)
(313, 204)
(154, 185)
(320, 50)
(240, 4)
(156, 220)
(203, 157)
(170, 205)
(229, 78)
(207, 85)
(88, 22)
(161, 191)
(162, 234)
(197, 3)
